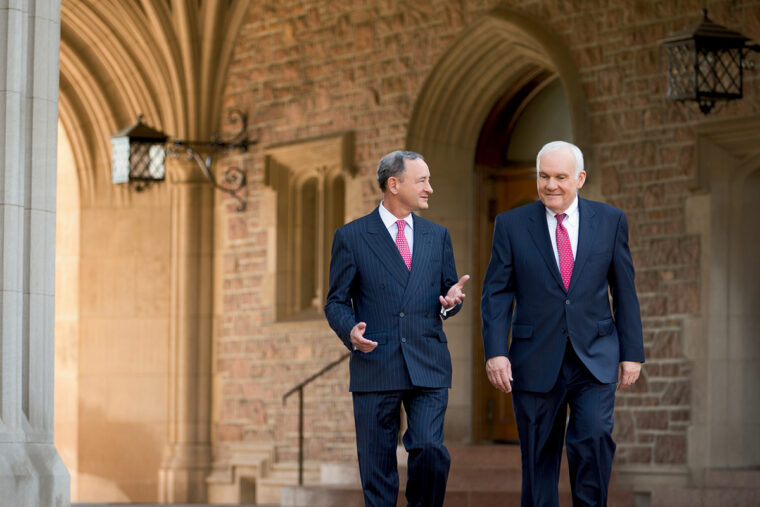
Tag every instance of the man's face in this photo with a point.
(557, 182)
(412, 187)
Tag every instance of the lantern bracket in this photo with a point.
(204, 153)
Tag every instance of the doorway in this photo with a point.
(723, 338)
(530, 114)
(500, 190)
(478, 114)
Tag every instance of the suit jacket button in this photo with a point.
(567, 301)
(401, 314)
(403, 340)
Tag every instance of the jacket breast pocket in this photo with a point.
(522, 331)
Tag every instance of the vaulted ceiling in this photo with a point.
(165, 59)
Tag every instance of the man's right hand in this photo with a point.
(358, 341)
(499, 371)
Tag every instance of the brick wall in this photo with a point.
(304, 69)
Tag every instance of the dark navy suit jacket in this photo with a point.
(523, 270)
(369, 282)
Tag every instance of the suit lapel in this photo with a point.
(587, 228)
(539, 231)
(381, 244)
(420, 256)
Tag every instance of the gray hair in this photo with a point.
(562, 145)
(393, 164)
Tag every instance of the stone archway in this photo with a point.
(485, 62)
(143, 380)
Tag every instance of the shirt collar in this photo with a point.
(390, 219)
(571, 210)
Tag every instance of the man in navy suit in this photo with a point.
(392, 281)
(554, 265)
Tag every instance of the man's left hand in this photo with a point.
(628, 373)
(454, 296)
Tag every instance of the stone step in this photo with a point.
(706, 497)
(485, 456)
(727, 487)
(739, 478)
(332, 496)
(480, 475)
(487, 479)
(288, 471)
(470, 459)
(489, 468)
(268, 489)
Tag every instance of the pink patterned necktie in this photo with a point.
(402, 245)
(565, 251)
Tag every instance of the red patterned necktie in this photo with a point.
(565, 251)
(403, 246)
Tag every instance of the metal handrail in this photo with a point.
(299, 389)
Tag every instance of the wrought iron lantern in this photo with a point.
(706, 63)
(139, 155)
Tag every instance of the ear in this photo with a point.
(393, 185)
(581, 179)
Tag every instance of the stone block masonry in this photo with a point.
(305, 69)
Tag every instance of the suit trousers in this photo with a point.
(541, 423)
(377, 416)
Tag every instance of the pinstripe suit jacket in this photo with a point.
(369, 282)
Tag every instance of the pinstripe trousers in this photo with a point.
(377, 416)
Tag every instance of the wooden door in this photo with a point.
(498, 190)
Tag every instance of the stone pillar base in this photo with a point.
(32, 475)
(182, 477)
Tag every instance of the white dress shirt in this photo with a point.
(571, 223)
(389, 220)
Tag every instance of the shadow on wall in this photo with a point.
(118, 460)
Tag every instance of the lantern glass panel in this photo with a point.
(146, 160)
(681, 78)
(157, 160)
(719, 72)
(120, 162)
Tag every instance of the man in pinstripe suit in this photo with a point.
(392, 281)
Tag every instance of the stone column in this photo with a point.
(187, 455)
(31, 471)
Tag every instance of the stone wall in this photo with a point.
(304, 69)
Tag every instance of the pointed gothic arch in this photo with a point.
(168, 60)
(492, 56)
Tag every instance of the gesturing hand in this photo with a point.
(358, 341)
(455, 295)
(499, 371)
